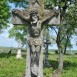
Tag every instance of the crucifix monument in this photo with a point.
(46, 45)
(35, 17)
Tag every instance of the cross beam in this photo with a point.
(38, 6)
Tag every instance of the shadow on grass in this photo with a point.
(53, 64)
(67, 65)
(6, 55)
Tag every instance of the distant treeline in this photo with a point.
(7, 49)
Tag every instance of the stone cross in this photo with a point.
(35, 17)
(46, 45)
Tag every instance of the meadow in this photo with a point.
(12, 67)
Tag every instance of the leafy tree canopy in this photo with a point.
(4, 14)
(19, 33)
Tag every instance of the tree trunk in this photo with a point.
(65, 49)
(66, 45)
(46, 62)
(68, 36)
(60, 67)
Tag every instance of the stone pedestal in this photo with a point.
(19, 55)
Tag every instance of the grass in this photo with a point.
(11, 67)
(69, 68)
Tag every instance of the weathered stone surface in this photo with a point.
(35, 16)
(19, 16)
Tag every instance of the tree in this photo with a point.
(4, 14)
(63, 6)
(19, 33)
(71, 25)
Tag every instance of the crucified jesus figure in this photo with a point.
(35, 41)
(34, 38)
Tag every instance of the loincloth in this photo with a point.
(34, 41)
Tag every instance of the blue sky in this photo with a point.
(11, 42)
(5, 40)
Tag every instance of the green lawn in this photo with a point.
(11, 67)
(70, 65)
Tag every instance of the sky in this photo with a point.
(5, 41)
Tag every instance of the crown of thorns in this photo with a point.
(33, 12)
